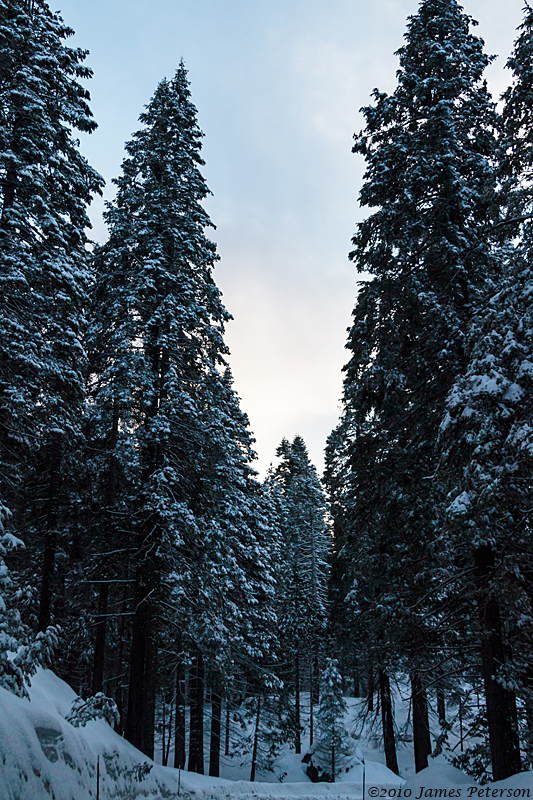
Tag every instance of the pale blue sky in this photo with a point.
(278, 85)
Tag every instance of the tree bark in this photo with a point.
(50, 523)
(196, 737)
(311, 701)
(256, 740)
(387, 720)
(356, 683)
(46, 595)
(441, 704)
(501, 702)
(421, 734)
(214, 747)
(100, 638)
(228, 721)
(370, 689)
(139, 729)
(297, 736)
(179, 718)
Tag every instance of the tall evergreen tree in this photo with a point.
(335, 747)
(486, 440)
(428, 148)
(172, 468)
(45, 187)
(304, 570)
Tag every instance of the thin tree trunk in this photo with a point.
(256, 740)
(167, 733)
(150, 692)
(179, 718)
(164, 735)
(49, 558)
(421, 735)
(139, 729)
(103, 596)
(50, 523)
(387, 720)
(119, 694)
(311, 701)
(370, 689)
(333, 763)
(501, 702)
(441, 704)
(226, 748)
(196, 737)
(100, 638)
(297, 738)
(356, 683)
(214, 748)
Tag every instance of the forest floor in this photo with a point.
(43, 757)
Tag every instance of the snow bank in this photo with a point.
(43, 757)
(438, 776)
(446, 777)
(524, 780)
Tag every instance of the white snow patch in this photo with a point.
(513, 393)
(438, 776)
(460, 505)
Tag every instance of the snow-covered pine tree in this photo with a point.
(486, 442)
(228, 581)
(173, 467)
(428, 148)
(487, 447)
(45, 187)
(304, 569)
(161, 319)
(334, 750)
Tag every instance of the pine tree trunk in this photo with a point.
(501, 702)
(100, 638)
(356, 683)
(256, 740)
(441, 704)
(227, 731)
(150, 691)
(214, 749)
(179, 719)
(50, 524)
(120, 693)
(103, 595)
(297, 738)
(315, 685)
(333, 763)
(196, 736)
(421, 735)
(49, 559)
(387, 720)
(139, 729)
(311, 701)
(370, 689)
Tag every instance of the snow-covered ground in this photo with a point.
(43, 757)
